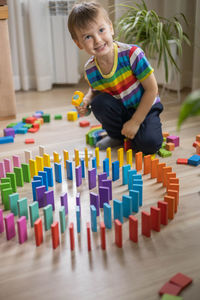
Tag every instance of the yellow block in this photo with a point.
(47, 162)
(56, 157)
(153, 156)
(72, 116)
(97, 156)
(129, 157)
(39, 163)
(33, 167)
(66, 156)
(108, 155)
(120, 155)
(76, 154)
(86, 157)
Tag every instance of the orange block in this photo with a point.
(41, 120)
(198, 149)
(55, 235)
(164, 177)
(138, 161)
(154, 167)
(170, 175)
(147, 164)
(118, 233)
(160, 171)
(198, 138)
(174, 194)
(174, 180)
(170, 146)
(165, 134)
(171, 206)
(38, 232)
(173, 186)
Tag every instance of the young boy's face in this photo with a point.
(96, 39)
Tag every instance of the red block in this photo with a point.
(38, 232)
(30, 120)
(155, 218)
(171, 289)
(84, 123)
(71, 234)
(133, 229)
(163, 212)
(33, 130)
(127, 144)
(29, 141)
(103, 235)
(146, 224)
(36, 125)
(181, 280)
(118, 233)
(182, 161)
(55, 235)
(88, 236)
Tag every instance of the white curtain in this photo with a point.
(42, 53)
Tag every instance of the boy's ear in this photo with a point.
(78, 44)
(111, 28)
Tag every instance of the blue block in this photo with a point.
(194, 160)
(35, 184)
(107, 215)
(44, 176)
(78, 219)
(127, 206)
(69, 170)
(83, 167)
(115, 170)
(49, 171)
(135, 200)
(93, 213)
(21, 130)
(6, 139)
(130, 178)
(106, 166)
(139, 187)
(36, 178)
(94, 163)
(118, 210)
(39, 112)
(136, 177)
(18, 125)
(125, 170)
(58, 172)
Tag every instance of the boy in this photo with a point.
(123, 92)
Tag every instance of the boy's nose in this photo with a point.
(97, 39)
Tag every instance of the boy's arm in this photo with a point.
(131, 127)
(86, 101)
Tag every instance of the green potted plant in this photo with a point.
(190, 107)
(154, 34)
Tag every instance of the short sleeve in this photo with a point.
(139, 63)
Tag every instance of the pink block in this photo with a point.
(2, 170)
(1, 221)
(16, 161)
(22, 229)
(7, 165)
(10, 226)
(173, 139)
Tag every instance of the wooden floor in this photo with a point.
(137, 271)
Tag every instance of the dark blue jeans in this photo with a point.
(112, 114)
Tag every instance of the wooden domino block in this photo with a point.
(155, 218)
(154, 167)
(171, 206)
(118, 233)
(174, 194)
(146, 224)
(97, 156)
(120, 155)
(38, 232)
(108, 155)
(55, 234)
(129, 157)
(170, 146)
(56, 158)
(133, 229)
(138, 161)
(88, 236)
(71, 234)
(163, 212)
(147, 164)
(165, 170)
(103, 235)
(127, 144)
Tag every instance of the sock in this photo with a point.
(107, 141)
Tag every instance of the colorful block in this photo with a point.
(118, 233)
(92, 178)
(34, 212)
(173, 139)
(13, 198)
(22, 205)
(10, 226)
(48, 216)
(58, 172)
(115, 170)
(103, 235)
(118, 210)
(133, 229)
(22, 230)
(107, 215)
(146, 224)
(94, 200)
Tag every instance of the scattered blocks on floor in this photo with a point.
(194, 160)
(6, 139)
(173, 139)
(164, 153)
(84, 123)
(72, 116)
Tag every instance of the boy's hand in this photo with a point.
(83, 109)
(129, 129)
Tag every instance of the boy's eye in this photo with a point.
(87, 37)
(101, 29)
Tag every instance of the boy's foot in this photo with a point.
(107, 141)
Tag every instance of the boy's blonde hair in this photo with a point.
(84, 13)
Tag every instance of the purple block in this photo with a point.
(2, 170)
(102, 176)
(78, 171)
(78, 201)
(10, 226)
(103, 195)
(16, 161)
(22, 229)
(94, 200)
(7, 165)
(9, 131)
(92, 178)
(173, 139)
(37, 115)
(40, 190)
(108, 183)
(1, 221)
(49, 198)
(64, 202)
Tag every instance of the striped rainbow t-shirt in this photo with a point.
(124, 81)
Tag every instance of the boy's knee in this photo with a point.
(152, 144)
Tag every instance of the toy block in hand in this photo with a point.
(72, 116)
(170, 146)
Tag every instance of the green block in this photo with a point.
(58, 117)
(26, 172)
(22, 205)
(24, 119)
(34, 212)
(163, 145)
(5, 197)
(13, 198)
(48, 216)
(4, 186)
(164, 139)
(11, 125)
(28, 125)
(62, 219)
(12, 177)
(164, 153)
(46, 118)
(171, 297)
(19, 176)
(5, 179)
